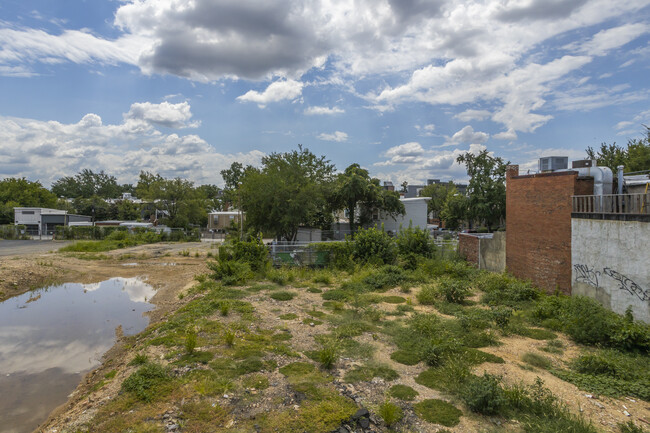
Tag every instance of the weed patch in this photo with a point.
(438, 412)
(366, 373)
(403, 392)
(282, 296)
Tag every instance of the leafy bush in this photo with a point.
(415, 241)
(483, 394)
(283, 296)
(503, 289)
(453, 290)
(501, 316)
(231, 272)
(427, 295)
(339, 254)
(386, 277)
(374, 246)
(252, 252)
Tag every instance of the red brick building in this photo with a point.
(538, 225)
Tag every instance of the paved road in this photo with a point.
(10, 248)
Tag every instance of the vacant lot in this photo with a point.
(427, 347)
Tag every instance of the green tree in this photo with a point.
(20, 192)
(288, 191)
(355, 190)
(127, 210)
(94, 206)
(634, 157)
(487, 188)
(438, 193)
(177, 198)
(87, 184)
(454, 210)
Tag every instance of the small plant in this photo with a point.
(427, 295)
(229, 337)
(438, 412)
(289, 316)
(483, 394)
(224, 308)
(328, 356)
(190, 341)
(184, 253)
(139, 359)
(501, 316)
(405, 357)
(143, 382)
(389, 412)
(403, 392)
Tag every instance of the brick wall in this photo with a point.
(538, 226)
(468, 247)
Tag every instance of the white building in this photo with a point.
(415, 215)
(43, 221)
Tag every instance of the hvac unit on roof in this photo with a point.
(553, 163)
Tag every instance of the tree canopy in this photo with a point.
(634, 157)
(486, 189)
(355, 190)
(438, 193)
(87, 184)
(289, 190)
(20, 192)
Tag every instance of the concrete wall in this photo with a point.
(538, 224)
(486, 251)
(611, 263)
(493, 252)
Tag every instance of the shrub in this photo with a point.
(415, 241)
(427, 295)
(453, 290)
(252, 252)
(339, 254)
(503, 289)
(483, 394)
(231, 272)
(390, 413)
(386, 277)
(501, 316)
(374, 246)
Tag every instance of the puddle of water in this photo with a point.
(49, 338)
(130, 264)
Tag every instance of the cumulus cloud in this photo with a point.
(467, 135)
(609, 39)
(277, 91)
(50, 150)
(510, 135)
(164, 114)
(310, 111)
(336, 136)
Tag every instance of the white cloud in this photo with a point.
(277, 91)
(510, 135)
(48, 150)
(323, 111)
(467, 135)
(469, 115)
(336, 136)
(609, 39)
(164, 114)
(426, 130)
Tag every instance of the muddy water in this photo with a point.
(49, 338)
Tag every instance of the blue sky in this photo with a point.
(402, 87)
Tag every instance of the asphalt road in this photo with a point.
(11, 248)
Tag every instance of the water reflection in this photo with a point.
(49, 337)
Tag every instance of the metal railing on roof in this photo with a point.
(612, 204)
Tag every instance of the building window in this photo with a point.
(28, 212)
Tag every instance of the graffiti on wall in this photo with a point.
(584, 274)
(627, 284)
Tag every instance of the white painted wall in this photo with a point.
(611, 263)
(416, 213)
